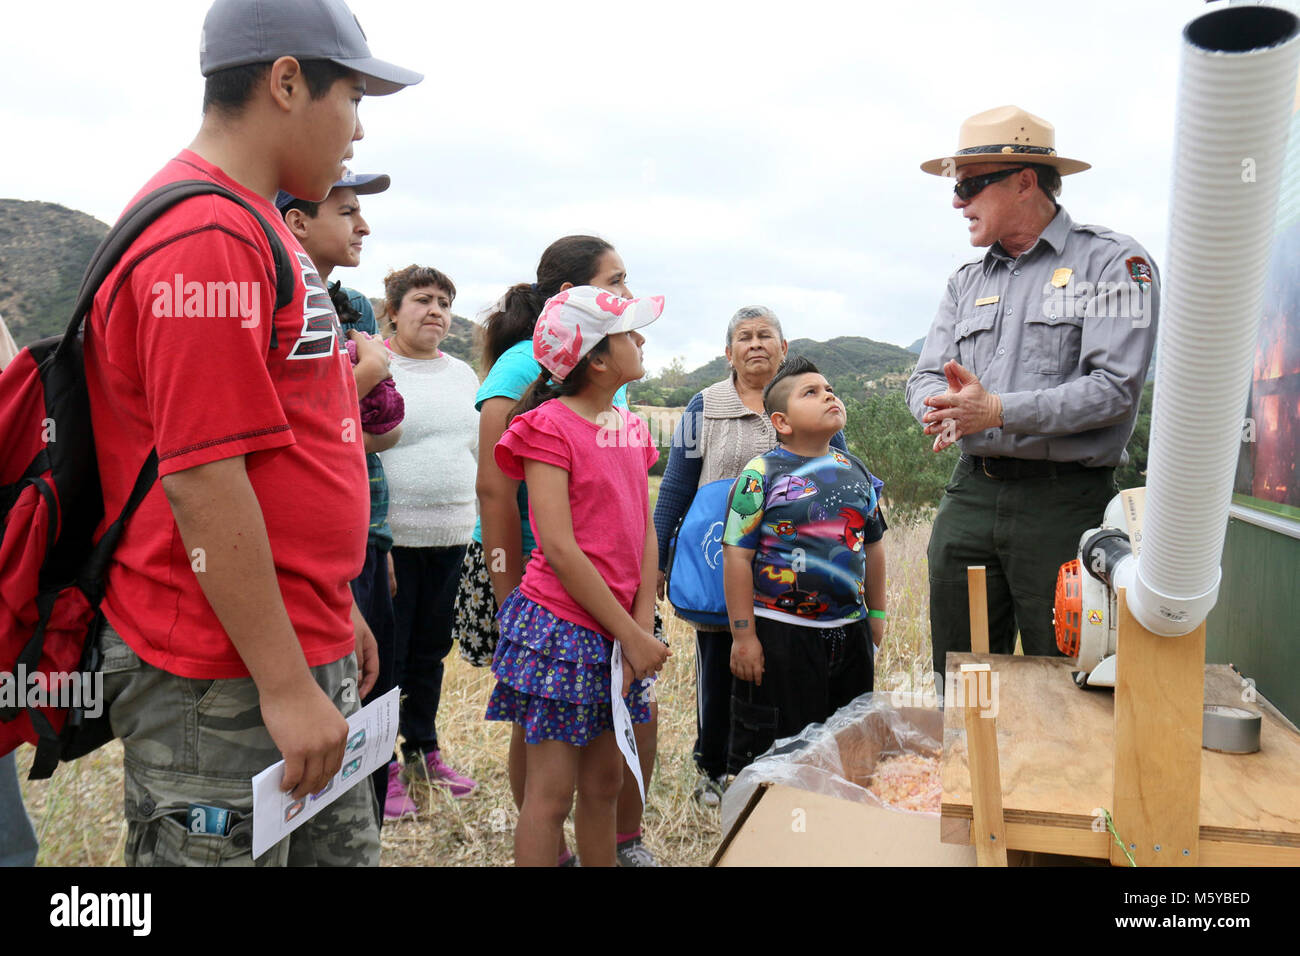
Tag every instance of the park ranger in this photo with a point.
(1034, 365)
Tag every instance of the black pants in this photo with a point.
(375, 602)
(712, 700)
(427, 579)
(808, 674)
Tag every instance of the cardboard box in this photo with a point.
(783, 825)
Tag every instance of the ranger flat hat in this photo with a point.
(1006, 134)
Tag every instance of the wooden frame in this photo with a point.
(1067, 755)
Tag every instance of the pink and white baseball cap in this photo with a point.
(575, 320)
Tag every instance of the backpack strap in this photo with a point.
(92, 576)
(140, 216)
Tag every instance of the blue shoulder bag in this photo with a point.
(694, 573)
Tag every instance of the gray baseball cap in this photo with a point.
(240, 32)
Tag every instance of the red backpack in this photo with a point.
(52, 571)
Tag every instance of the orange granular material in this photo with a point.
(908, 782)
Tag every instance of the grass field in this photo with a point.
(78, 813)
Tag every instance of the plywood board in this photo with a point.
(790, 827)
(1056, 748)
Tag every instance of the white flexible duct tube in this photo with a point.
(1234, 106)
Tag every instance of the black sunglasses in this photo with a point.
(972, 187)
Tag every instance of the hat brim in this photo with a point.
(642, 312)
(382, 78)
(367, 185)
(947, 165)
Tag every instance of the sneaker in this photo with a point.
(708, 790)
(634, 853)
(433, 770)
(398, 802)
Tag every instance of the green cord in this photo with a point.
(1110, 825)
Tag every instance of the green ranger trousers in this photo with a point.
(1021, 530)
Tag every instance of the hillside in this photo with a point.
(44, 249)
(856, 366)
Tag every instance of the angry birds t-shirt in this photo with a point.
(808, 521)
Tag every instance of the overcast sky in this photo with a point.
(734, 153)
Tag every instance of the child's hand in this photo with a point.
(370, 350)
(628, 676)
(876, 627)
(747, 660)
(646, 655)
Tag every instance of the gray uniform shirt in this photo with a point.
(1063, 334)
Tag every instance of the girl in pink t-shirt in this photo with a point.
(592, 578)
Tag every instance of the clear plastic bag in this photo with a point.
(838, 757)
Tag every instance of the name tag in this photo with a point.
(988, 300)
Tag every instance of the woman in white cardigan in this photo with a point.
(431, 474)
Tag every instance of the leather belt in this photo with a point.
(1012, 469)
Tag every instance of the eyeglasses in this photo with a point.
(972, 187)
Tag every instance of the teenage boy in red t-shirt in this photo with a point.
(232, 628)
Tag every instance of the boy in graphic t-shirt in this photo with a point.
(804, 570)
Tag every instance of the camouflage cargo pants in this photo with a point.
(200, 742)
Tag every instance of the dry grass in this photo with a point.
(904, 659)
(78, 812)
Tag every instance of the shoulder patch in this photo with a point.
(1139, 269)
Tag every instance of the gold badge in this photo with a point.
(1061, 276)
(988, 300)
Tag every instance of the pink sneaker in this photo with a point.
(398, 802)
(457, 784)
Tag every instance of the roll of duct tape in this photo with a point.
(1231, 730)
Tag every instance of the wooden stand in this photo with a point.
(1159, 694)
(1057, 759)
(1070, 755)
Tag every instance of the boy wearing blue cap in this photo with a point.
(233, 638)
(332, 232)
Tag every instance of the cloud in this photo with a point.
(732, 152)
